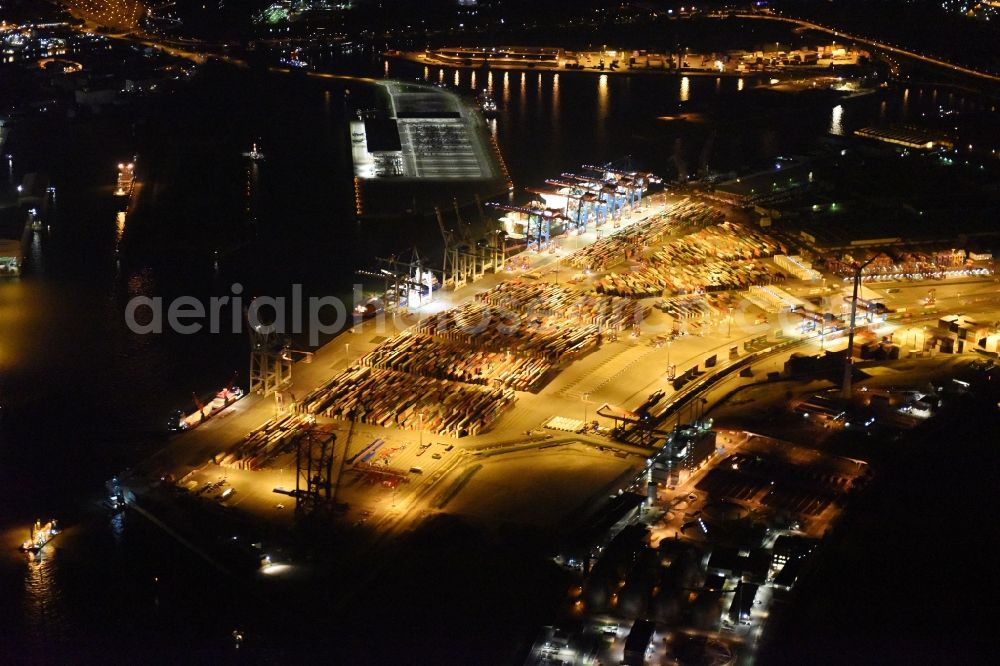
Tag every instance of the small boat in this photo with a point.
(125, 180)
(40, 535)
(254, 153)
(487, 104)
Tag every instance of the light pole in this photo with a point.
(421, 415)
(586, 399)
(347, 353)
(730, 333)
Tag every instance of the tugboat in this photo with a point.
(254, 153)
(115, 500)
(487, 104)
(126, 179)
(40, 535)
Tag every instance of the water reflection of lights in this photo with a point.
(457, 79)
(441, 76)
(836, 120)
(35, 251)
(602, 96)
(18, 306)
(427, 72)
(523, 100)
(506, 87)
(685, 88)
(119, 227)
(489, 79)
(41, 594)
(472, 82)
(555, 96)
(739, 84)
(118, 526)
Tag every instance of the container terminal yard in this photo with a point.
(565, 378)
(726, 400)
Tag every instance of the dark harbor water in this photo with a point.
(83, 397)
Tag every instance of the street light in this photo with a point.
(347, 353)
(586, 398)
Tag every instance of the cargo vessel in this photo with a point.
(206, 410)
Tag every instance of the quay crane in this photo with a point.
(271, 358)
(606, 192)
(466, 259)
(635, 182)
(406, 283)
(539, 219)
(589, 202)
(314, 453)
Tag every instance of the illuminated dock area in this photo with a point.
(420, 402)
(912, 137)
(626, 60)
(640, 304)
(421, 144)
